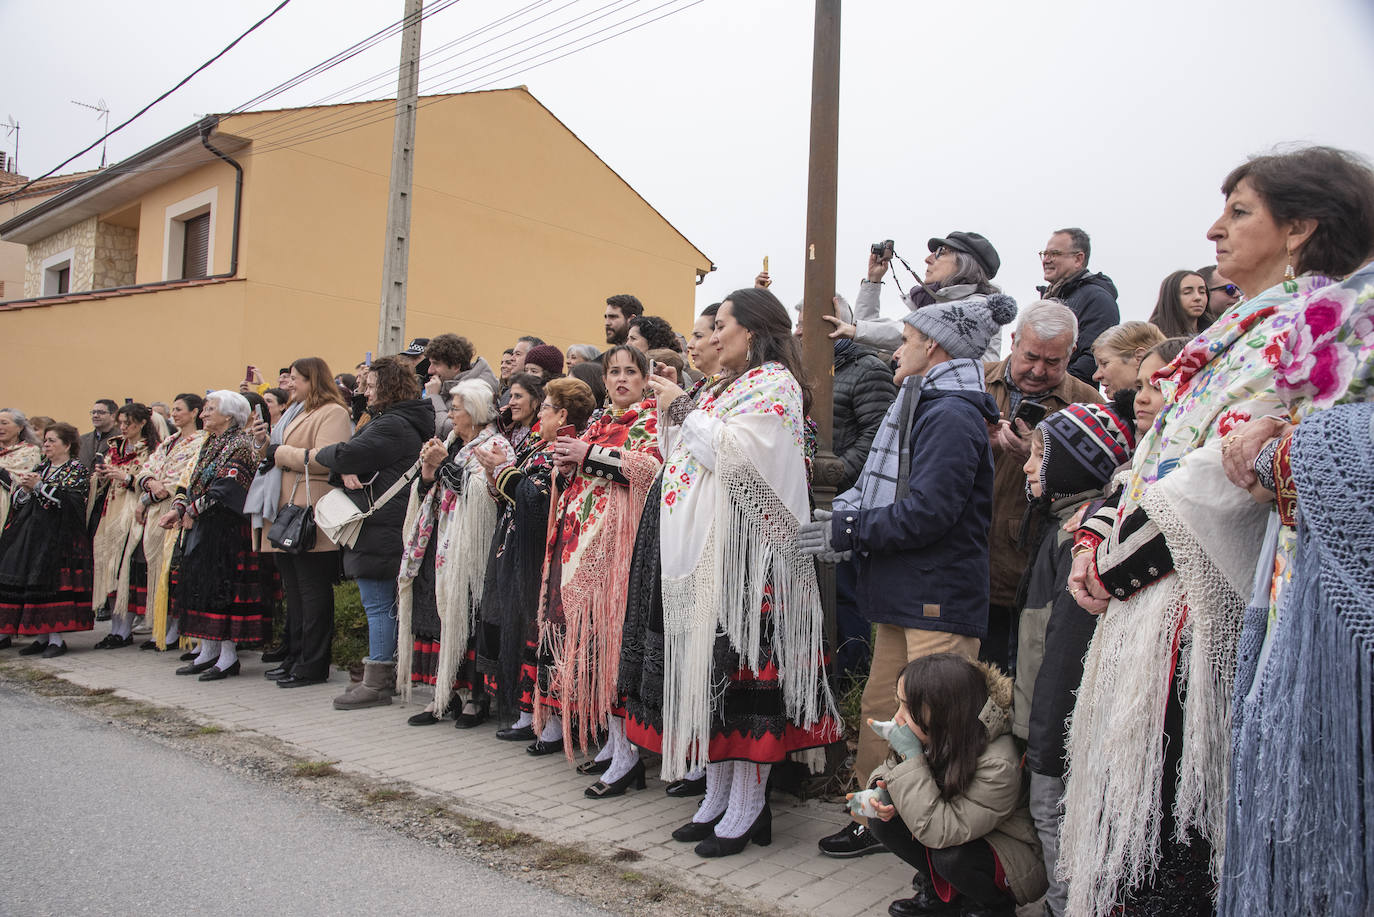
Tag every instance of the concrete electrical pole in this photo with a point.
(392, 325)
(822, 191)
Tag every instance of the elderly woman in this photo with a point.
(1295, 774)
(167, 469)
(958, 266)
(507, 641)
(307, 577)
(19, 451)
(45, 551)
(581, 353)
(368, 466)
(1118, 352)
(743, 679)
(220, 592)
(121, 572)
(603, 479)
(1171, 567)
(448, 530)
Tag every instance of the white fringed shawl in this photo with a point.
(734, 497)
(21, 456)
(463, 523)
(1110, 831)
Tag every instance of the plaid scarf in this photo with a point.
(877, 483)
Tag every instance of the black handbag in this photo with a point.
(293, 531)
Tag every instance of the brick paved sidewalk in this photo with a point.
(542, 796)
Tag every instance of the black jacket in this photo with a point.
(387, 446)
(1092, 297)
(863, 391)
(923, 561)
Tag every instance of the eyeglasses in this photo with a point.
(1056, 253)
(940, 252)
(1230, 288)
(100, 413)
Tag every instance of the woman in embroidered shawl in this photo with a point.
(223, 595)
(121, 573)
(603, 480)
(19, 451)
(1306, 644)
(507, 646)
(744, 680)
(167, 469)
(448, 531)
(45, 550)
(1173, 563)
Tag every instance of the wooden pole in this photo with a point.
(392, 323)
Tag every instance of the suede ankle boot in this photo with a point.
(375, 690)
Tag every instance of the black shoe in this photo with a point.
(111, 642)
(853, 840)
(103, 614)
(695, 831)
(479, 716)
(277, 674)
(189, 655)
(150, 645)
(274, 654)
(53, 650)
(423, 718)
(760, 832)
(196, 668)
(539, 747)
(34, 648)
(925, 903)
(5, 642)
(295, 681)
(590, 768)
(218, 674)
(685, 789)
(602, 790)
(511, 734)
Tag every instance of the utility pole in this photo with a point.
(392, 324)
(818, 351)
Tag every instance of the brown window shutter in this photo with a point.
(195, 253)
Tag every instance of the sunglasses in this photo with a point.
(1230, 288)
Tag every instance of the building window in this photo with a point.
(57, 273)
(189, 250)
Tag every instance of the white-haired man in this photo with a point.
(1034, 376)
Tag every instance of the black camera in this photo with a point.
(883, 249)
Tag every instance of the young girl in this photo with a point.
(958, 804)
(1074, 454)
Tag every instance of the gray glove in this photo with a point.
(814, 538)
(901, 739)
(863, 802)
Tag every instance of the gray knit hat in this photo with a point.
(964, 327)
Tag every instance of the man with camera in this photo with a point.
(1030, 384)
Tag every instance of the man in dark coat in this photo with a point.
(917, 519)
(1092, 297)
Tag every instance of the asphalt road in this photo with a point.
(97, 821)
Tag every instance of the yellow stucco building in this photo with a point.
(176, 276)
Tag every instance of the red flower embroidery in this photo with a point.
(670, 498)
(1273, 353)
(1229, 420)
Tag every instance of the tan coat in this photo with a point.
(995, 806)
(312, 430)
(1009, 483)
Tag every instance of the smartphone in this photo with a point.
(128, 401)
(248, 373)
(368, 358)
(261, 411)
(1030, 413)
(567, 430)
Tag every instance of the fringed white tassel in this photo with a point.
(460, 567)
(405, 600)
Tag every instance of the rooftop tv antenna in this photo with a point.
(12, 127)
(104, 113)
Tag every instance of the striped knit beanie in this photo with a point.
(1084, 444)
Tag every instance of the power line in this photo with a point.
(186, 79)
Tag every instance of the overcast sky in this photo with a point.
(1007, 117)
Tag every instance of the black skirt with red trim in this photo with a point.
(223, 589)
(45, 573)
(749, 719)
